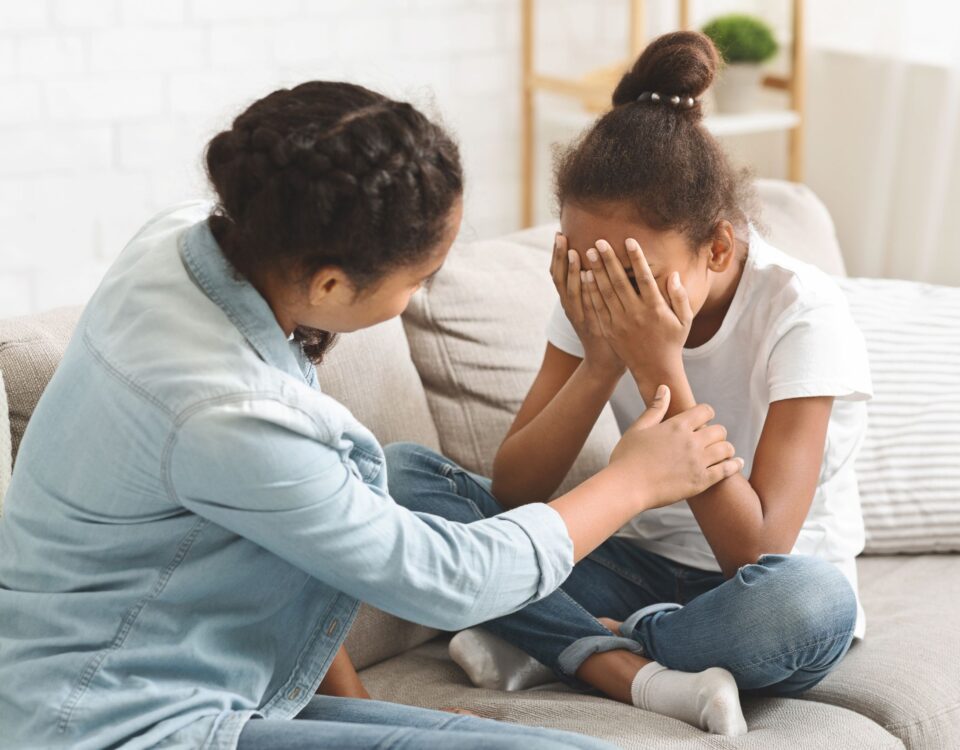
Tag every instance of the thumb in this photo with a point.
(656, 411)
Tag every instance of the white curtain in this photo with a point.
(883, 145)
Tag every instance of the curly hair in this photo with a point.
(331, 174)
(658, 156)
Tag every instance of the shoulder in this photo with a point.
(789, 283)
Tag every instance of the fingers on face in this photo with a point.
(649, 290)
(616, 274)
(602, 279)
(679, 300)
(558, 261)
(600, 310)
(574, 296)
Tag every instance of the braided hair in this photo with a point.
(653, 152)
(331, 174)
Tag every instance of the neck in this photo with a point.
(711, 315)
(272, 293)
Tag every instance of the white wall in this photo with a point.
(105, 105)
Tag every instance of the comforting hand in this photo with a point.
(565, 270)
(645, 330)
(678, 458)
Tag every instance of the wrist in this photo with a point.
(602, 373)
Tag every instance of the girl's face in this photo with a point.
(665, 251)
(332, 303)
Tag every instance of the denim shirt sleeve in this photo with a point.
(263, 469)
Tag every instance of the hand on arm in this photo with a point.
(743, 519)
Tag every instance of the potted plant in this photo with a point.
(745, 42)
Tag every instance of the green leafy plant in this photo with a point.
(741, 38)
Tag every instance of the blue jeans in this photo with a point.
(354, 724)
(779, 625)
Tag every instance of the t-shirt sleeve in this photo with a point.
(819, 351)
(561, 334)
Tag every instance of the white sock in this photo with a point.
(708, 699)
(491, 662)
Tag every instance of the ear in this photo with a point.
(722, 247)
(325, 282)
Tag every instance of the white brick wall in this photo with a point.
(105, 105)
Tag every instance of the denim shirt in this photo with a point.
(191, 522)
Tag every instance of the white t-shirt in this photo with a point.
(787, 334)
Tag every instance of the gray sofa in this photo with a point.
(450, 375)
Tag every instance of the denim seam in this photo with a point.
(126, 625)
(122, 377)
(818, 642)
(196, 270)
(191, 411)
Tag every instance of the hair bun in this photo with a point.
(682, 63)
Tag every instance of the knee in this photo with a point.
(412, 467)
(805, 596)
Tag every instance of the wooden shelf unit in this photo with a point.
(595, 87)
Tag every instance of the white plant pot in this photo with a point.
(738, 87)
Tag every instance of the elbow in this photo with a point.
(456, 616)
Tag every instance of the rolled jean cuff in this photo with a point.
(629, 625)
(580, 650)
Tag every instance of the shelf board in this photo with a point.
(760, 121)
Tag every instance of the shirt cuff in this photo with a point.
(551, 543)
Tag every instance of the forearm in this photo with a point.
(649, 378)
(533, 461)
(596, 509)
(730, 514)
(342, 679)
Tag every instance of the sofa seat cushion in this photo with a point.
(426, 677)
(905, 675)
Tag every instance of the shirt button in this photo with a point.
(333, 626)
(294, 694)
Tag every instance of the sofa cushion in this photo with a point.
(426, 677)
(370, 371)
(905, 675)
(909, 466)
(30, 350)
(6, 455)
(477, 336)
(795, 220)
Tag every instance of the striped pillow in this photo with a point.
(909, 466)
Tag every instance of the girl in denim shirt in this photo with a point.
(191, 523)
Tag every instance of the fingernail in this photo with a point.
(675, 279)
(741, 461)
(572, 256)
(589, 277)
(592, 255)
(602, 246)
(661, 391)
(583, 276)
